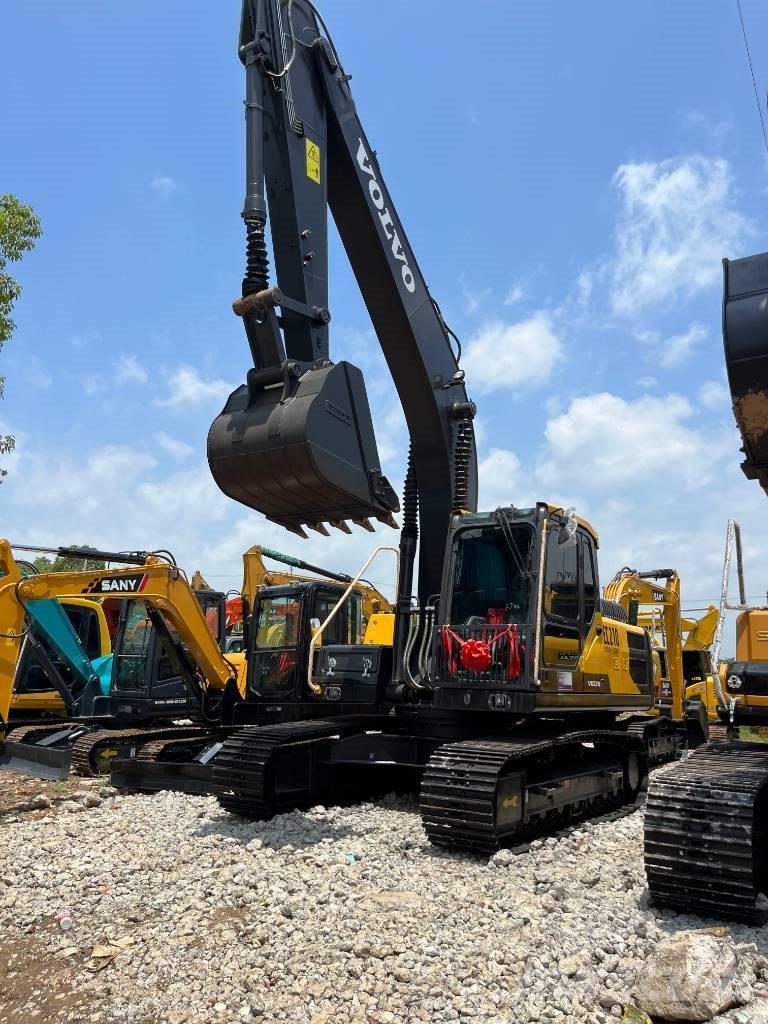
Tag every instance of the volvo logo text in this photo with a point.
(377, 198)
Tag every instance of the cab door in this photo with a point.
(601, 643)
(562, 627)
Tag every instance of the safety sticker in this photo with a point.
(565, 681)
(313, 161)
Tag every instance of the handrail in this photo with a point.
(317, 634)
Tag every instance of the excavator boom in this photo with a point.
(296, 441)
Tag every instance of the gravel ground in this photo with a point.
(333, 916)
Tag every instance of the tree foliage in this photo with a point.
(19, 229)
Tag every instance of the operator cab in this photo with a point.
(31, 677)
(145, 680)
(351, 676)
(521, 579)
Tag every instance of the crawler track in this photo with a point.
(269, 769)
(92, 752)
(706, 832)
(33, 733)
(480, 795)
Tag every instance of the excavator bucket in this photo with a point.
(745, 336)
(35, 760)
(301, 449)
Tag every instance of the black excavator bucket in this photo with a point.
(301, 449)
(745, 336)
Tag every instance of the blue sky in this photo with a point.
(569, 177)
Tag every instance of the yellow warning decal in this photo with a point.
(313, 161)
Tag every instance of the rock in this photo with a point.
(692, 976)
(91, 800)
(39, 802)
(503, 858)
(72, 806)
(570, 965)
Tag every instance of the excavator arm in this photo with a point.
(256, 576)
(164, 589)
(296, 441)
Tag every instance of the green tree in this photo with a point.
(19, 229)
(44, 564)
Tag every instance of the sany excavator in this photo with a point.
(146, 678)
(517, 696)
(706, 824)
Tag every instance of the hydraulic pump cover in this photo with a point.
(745, 336)
(305, 454)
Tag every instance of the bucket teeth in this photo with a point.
(389, 520)
(339, 524)
(318, 528)
(366, 524)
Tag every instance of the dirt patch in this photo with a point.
(17, 790)
(36, 985)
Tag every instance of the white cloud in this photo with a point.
(187, 387)
(678, 348)
(128, 370)
(503, 356)
(164, 184)
(172, 446)
(499, 479)
(604, 442)
(515, 294)
(678, 220)
(713, 393)
(647, 382)
(674, 350)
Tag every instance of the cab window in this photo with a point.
(278, 619)
(590, 583)
(491, 576)
(561, 581)
(346, 625)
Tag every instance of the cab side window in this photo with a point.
(590, 582)
(561, 581)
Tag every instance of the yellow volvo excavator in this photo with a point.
(517, 697)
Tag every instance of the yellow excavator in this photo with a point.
(224, 690)
(280, 613)
(107, 697)
(682, 667)
(33, 698)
